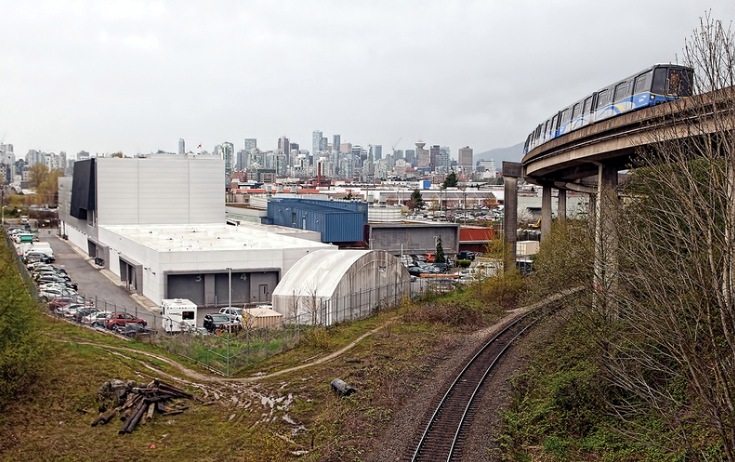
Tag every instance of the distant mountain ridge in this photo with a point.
(509, 154)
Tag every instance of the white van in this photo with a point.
(179, 315)
(42, 247)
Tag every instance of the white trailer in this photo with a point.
(179, 314)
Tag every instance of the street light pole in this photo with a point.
(229, 304)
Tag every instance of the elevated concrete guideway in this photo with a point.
(589, 159)
(574, 157)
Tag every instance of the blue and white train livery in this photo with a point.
(655, 85)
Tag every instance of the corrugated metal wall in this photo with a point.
(337, 221)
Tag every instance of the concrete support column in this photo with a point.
(606, 240)
(561, 208)
(511, 172)
(545, 212)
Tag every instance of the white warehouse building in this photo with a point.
(158, 222)
(327, 287)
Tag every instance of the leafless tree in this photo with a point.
(673, 347)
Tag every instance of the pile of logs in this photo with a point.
(142, 402)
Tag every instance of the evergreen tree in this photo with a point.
(450, 181)
(416, 201)
(439, 254)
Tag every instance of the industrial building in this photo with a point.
(158, 223)
(338, 222)
(328, 286)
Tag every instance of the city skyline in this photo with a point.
(135, 76)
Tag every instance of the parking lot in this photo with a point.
(102, 286)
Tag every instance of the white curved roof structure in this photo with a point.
(335, 285)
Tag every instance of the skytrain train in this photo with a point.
(657, 84)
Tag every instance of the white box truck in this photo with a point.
(179, 315)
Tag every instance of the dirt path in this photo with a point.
(194, 375)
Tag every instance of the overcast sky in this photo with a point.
(135, 76)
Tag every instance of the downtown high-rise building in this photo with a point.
(250, 144)
(284, 145)
(182, 146)
(7, 156)
(227, 151)
(443, 160)
(433, 154)
(422, 155)
(377, 151)
(336, 142)
(464, 158)
(316, 142)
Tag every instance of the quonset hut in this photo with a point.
(330, 286)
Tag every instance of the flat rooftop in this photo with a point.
(209, 237)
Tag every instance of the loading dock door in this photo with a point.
(189, 286)
(240, 288)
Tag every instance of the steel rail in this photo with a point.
(461, 377)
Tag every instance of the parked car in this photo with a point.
(63, 301)
(235, 314)
(427, 268)
(120, 318)
(442, 267)
(430, 257)
(212, 322)
(80, 313)
(46, 293)
(97, 319)
(466, 255)
(68, 311)
(50, 279)
(414, 270)
(132, 329)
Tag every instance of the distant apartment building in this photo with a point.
(488, 165)
(443, 161)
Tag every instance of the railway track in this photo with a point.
(442, 439)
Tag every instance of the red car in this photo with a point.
(121, 319)
(64, 301)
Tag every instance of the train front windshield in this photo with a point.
(672, 81)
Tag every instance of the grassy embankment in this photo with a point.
(294, 415)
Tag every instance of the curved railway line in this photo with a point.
(447, 428)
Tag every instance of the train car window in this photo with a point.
(564, 116)
(621, 91)
(659, 80)
(576, 110)
(554, 122)
(587, 105)
(603, 98)
(641, 83)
